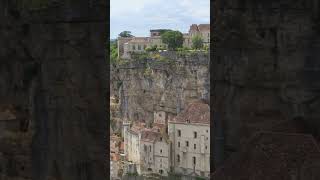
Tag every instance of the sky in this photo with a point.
(139, 16)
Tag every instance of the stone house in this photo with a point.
(202, 30)
(189, 134)
(148, 149)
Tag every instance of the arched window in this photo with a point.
(178, 158)
(194, 160)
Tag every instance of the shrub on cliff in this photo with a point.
(174, 39)
(197, 42)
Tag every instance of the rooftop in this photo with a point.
(197, 112)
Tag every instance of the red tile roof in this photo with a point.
(275, 156)
(204, 27)
(149, 135)
(194, 27)
(197, 112)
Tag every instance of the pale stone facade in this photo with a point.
(139, 44)
(189, 134)
(185, 148)
(202, 30)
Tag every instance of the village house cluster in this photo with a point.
(139, 44)
(179, 145)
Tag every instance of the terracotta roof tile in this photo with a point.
(194, 27)
(196, 112)
(149, 135)
(204, 27)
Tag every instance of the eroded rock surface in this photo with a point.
(53, 86)
(266, 68)
(147, 86)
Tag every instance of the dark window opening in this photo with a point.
(187, 143)
(195, 134)
(195, 146)
(178, 158)
(194, 160)
(179, 133)
(178, 144)
(161, 151)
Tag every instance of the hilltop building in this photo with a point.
(126, 45)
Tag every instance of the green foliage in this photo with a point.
(113, 52)
(125, 34)
(132, 174)
(160, 48)
(151, 49)
(163, 31)
(183, 49)
(197, 42)
(206, 47)
(174, 39)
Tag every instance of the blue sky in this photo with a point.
(139, 16)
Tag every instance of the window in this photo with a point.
(179, 133)
(178, 144)
(206, 147)
(150, 148)
(195, 146)
(207, 131)
(206, 138)
(161, 151)
(178, 158)
(194, 160)
(195, 134)
(139, 47)
(133, 47)
(159, 115)
(187, 143)
(160, 138)
(161, 171)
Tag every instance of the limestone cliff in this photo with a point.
(265, 69)
(151, 85)
(53, 86)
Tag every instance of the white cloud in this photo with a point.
(124, 7)
(139, 16)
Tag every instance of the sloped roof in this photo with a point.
(274, 156)
(139, 40)
(194, 27)
(204, 27)
(196, 112)
(149, 135)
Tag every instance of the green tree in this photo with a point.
(174, 39)
(197, 42)
(125, 34)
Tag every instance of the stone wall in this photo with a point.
(53, 77)
(266, 68)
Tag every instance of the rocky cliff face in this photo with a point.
(266, 68)
(53, 90)
(147, 86)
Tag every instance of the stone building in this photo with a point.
(189, 134)
(147, 148)
(139, 44)
(202, 30)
